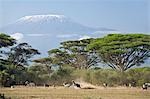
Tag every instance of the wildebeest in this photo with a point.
(8, 82)
(46, 85)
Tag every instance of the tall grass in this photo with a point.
(100, 76)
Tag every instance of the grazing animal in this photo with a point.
(148, 84)
(105, 85)
(133, 84)
(31, 84)
(26, 83)
(2, 96)
(66, 84)
(144, 86)
(130, 85)
(76, 85)
(12, 87)
(46, 85)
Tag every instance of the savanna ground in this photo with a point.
(70, 93)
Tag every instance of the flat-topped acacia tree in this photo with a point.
(122, 51)
(74, 53)
(21, 54)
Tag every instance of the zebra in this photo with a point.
(66, 84)
(105, 85)
(76, 85)
(144, 86)
(29, 84)
(148, 84)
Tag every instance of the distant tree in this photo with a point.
(11, 57)
(122, 52)
(38, 73)
(17, 58)
(46, 63)
(21, 54)
(5, 42)
(74, 53)
(59, 57)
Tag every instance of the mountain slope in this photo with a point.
(49, 24)
(46, 31)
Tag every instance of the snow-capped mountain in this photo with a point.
(46, 31)
(42, 19)
(49, 24)
(38, 18)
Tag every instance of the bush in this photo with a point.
(113, 78)
(61, 75)
(93, 76)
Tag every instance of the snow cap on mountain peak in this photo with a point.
(37, 18)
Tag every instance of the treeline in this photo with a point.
(95, 76)
(77, 60)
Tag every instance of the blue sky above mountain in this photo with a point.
(124, 15)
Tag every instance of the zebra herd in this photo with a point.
(73, 84)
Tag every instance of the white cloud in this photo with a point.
(17, 36)
(36, 35)
(84, 37)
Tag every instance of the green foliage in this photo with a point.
(6, 40)
(21, 54)
(113, 78)
(118, 51)
(61, 75)
(74, 54)
(140, 75)
(122, 52)
(12, 63)
(46, 63)
(39, 74)
(59, 57)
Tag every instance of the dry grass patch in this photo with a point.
(70, 93)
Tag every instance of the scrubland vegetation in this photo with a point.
(78, 60)
(93, 76)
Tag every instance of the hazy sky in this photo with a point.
(123, 15)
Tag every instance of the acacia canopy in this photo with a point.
(21, 54)
(122, 51)
(6, 40)
(74, 53)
